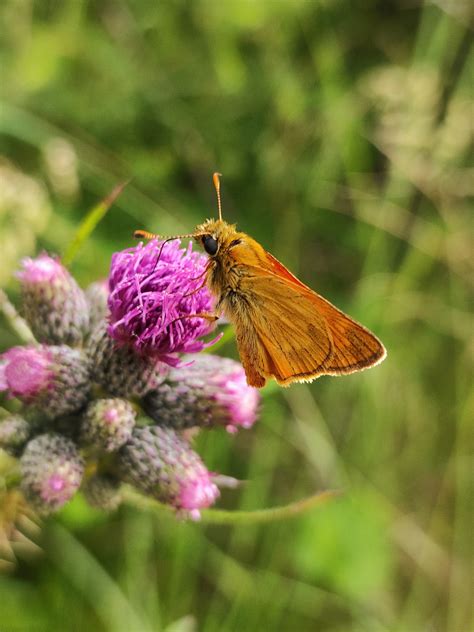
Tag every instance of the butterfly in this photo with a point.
(284, 330)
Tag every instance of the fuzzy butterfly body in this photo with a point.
(284, 330)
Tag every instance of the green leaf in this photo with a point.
(88, 224)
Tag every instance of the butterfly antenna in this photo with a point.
(144, 234)
(217, 186)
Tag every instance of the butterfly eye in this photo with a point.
(210, 244)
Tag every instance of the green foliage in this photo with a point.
(342, 133)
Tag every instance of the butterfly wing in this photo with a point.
(278, 332)
(286, 331)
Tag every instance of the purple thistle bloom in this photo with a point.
(152, 287)
(53, 304)
(53, 379)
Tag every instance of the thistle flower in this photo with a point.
(102, 492)
(137, 324)
(153, 288)
(54, 305)
(108, 423)
(53, 379)
(14, 433)
(210, 391)
(97, 294)
(160, 463)
(52, 470)
(119, 370)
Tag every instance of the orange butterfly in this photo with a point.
(284, 330)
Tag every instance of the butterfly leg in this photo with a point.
(197, 289)
(210, 317)
(205, 273)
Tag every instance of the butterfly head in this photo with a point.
(215, 236)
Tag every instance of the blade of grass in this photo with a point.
(89, 578)
(16, 323)
(89, 223)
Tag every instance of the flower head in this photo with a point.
(209, 391)
(14, 433)
(53, 379)
(52, 470)
(54, 305)
(27, 371)
(160, 463)
(119, 370)
(108, 423)
(97, 294)
(119, 340)
(154, 288)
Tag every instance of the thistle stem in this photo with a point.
(221, 516)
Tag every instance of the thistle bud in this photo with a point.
(52, 470)
(161, 464)
(102, 492)
(97, 294)
(210, 391)
(54, 380)
(53, 304)
(119, 370)
(14, 433)
(108, 423)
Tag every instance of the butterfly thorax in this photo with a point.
(234, 257)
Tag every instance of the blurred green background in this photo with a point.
(343, 133)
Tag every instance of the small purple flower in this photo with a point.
(53, 304)
(197, 494)
(234, 395)
(53, 379)
(26, 371)
(152, 287)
